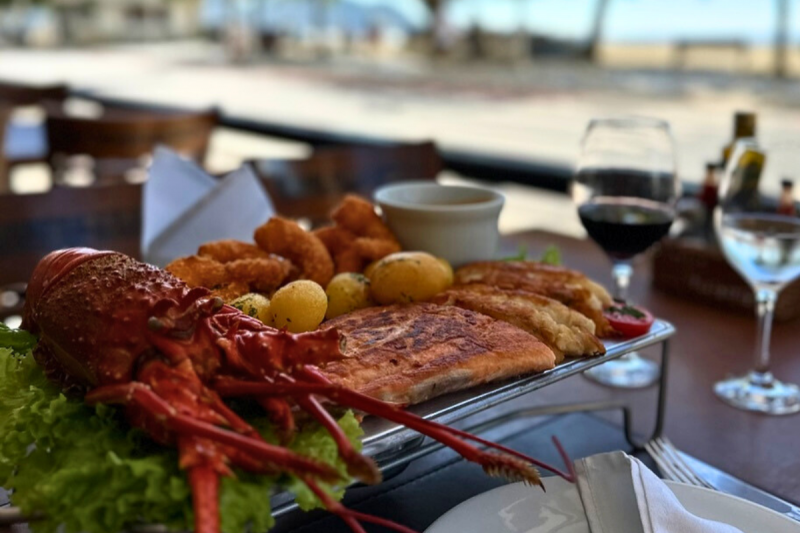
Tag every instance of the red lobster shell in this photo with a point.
(119, 331)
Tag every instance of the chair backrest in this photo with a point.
(124, 136)
(32, 225)
(19, 94)
(5, 114)
(310, 188)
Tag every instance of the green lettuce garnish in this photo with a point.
(88, 471)
(551, 255)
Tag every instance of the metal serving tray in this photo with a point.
(382, 436)
(393, 445)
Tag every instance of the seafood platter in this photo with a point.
(186, 396)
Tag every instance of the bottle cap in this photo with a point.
(786, 183)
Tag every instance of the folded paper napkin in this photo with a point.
(183, 207)
(620, 493)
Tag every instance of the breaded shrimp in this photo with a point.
(229, 250)
(351, 253)
(334, 238)
(349, 260)
(230, 291)
(373, 249)
(286, 238)
(199, 271)
(263, 274)
(359, 217)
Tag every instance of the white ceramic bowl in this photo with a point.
(454, 222)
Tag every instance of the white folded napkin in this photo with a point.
(620, 494)
(184, 207)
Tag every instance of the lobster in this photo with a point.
(118, 331)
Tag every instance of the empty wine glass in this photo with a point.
(625, 188)
(764, 247)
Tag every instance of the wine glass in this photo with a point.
(764, 247)
(625, 188)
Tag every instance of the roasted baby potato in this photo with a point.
(299, 306)
(255, 305)
(408, 277)
(346, 293)
(449, 269)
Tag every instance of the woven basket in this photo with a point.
(694, 270)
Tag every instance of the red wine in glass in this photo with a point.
(625, 227)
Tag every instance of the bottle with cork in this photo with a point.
(744, 126)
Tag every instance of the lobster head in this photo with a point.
(52, 268)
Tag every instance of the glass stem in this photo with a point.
(621, 272)
(765, 311)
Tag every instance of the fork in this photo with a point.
(674, 467)
(672, 464)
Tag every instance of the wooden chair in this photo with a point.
(119, 139)
(19, 94)
(5, 113)
(32, 225)
(310, 188)
(24, 142)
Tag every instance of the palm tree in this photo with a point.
(781, 37)
(436, 27)
(601, 7)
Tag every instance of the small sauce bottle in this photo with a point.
(786, 202)
(708, 193)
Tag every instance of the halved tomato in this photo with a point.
(629, 320)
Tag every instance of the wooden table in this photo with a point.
(710, 344)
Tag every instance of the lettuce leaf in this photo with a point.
(90, 472)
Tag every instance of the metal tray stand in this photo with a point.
(393, 445)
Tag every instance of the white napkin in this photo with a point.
(620, 493)
(183, 207)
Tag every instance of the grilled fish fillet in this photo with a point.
(566, 331)
(569, 287)
(413, 352)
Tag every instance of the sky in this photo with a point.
(626, 20)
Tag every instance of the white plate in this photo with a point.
(517, 508)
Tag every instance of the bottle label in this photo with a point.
(745, 181)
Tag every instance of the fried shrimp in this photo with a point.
(351, 253)
(263, 274)
(334, 238)
(371, 249)
(230, 291)
(286, 238)
(358, 216)
(349, 260)
(229, 250)
(199, 271)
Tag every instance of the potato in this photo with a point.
(346, 293)
(408, 277)
(371, 268)
(448, 269)
(299, 306)
(255, 305)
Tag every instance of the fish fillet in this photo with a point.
(413, 352)
(569, 287)
(566, 331)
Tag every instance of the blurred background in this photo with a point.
(504, 88)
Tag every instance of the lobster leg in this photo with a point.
(510, 464)
(280, 414)
(205, 498)
(141, 395)
(350, 517)
(358, 466)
